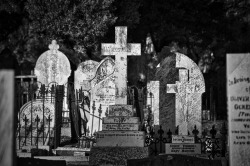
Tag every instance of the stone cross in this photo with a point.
(54, 46)
(121, 49)
(182, 88)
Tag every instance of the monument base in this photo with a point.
(116, 155)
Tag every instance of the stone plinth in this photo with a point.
(116, 155)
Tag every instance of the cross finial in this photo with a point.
(54, 46)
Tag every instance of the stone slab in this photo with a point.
(65, 158)
(7, 117)
(23, 154)
(127, 127)
(60, 151)
(121, 119)
(116, 155)
(28, 148)
(182, 148)
(121, 110)
(182, 139)
(120, 138)
(238, 86)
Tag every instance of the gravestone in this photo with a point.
(238, 85)
(153, 88)
(53, 66)
(84, 74)
(7, 118)
(181, 88)
(29, 113)
(121, 139)
(102, 93)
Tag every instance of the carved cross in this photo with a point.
(182, 88)
(54, 46)
(121, 49)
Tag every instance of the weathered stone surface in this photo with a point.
(6, 117)
(121, 119)
(116, 155)
(121, 49)
(120, 138)
(52, 66)
(127, 127)
(102, 93)
(238, 85)
(180, 103)
(121, 110)
(85, 72)
(153, 88)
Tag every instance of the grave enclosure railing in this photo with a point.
(212, 143)
(34, 125)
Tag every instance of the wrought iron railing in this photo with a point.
(211, 144)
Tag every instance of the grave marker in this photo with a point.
(102, 93)
(131, 140)
(188, 91)
(121, 49)
(238, 88)
(53, 66)
(7, 117)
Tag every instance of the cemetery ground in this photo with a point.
(98, 120)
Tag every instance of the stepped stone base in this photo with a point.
(117, 156)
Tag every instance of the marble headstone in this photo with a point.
(7, 117)
(102, 93)
(238, 85)
(181, 88)
(53, 66)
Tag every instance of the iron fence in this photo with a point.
(36, 105)
(212, 144)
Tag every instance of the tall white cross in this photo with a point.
(121, 49)
(182, 89)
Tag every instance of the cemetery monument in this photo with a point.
(181, 88)
(238, 88)
(52, 68)
(120, 139)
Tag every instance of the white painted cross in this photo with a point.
(121, 49)
(182, 88)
